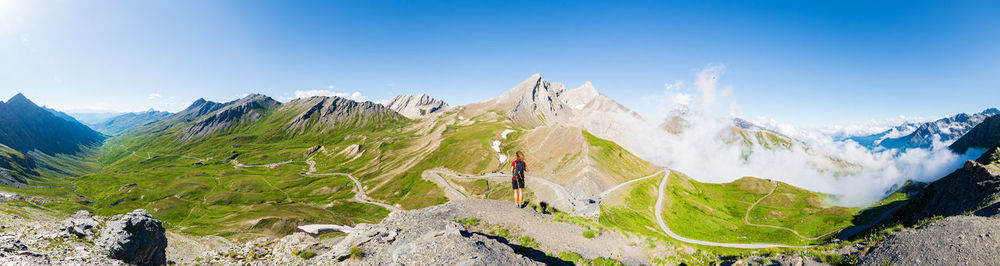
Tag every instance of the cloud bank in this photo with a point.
(707, 150)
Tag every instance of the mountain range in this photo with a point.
(922, 135)
(256, 167)
(123, 123)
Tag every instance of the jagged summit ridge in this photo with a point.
(248, 109)
(416, 106)
(921, 135)
(324, 113)
(198, 108)
(535, 101)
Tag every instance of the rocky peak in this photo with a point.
(245, 110)
(535, 102)
(198, 108)
(983, 135)
(331, 112)
(991, 111)
(20, 101)
(416, 106)
(579, 97)
(24, 126)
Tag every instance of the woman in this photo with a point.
(518, 179)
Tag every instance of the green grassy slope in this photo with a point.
(715, 212)
(615, 160)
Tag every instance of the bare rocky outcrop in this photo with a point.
(135, 238)
(971, 188)
(39, 238)
(81, 224)
(535, 102)
(420, 238)
(417, 106)
(957, 240)
(983, 135)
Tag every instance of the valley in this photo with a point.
(255, 168)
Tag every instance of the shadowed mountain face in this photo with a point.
(921, 135)
(984, 135)
(25, 127)
(198, 108)
(248, 109)
(123, 123)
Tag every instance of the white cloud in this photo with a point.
(356, 96)
(154, 96)
(702, 151)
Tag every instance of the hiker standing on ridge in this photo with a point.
(518, 179)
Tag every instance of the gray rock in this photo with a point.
(956, 240)
(81, 224)
(416, 106)
(135, 238)
(967, 189)
(10, 243)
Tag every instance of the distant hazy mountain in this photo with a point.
(125, 122)
(921, 135)
(25, 126)
(59, 114)
(95, 117)
(416, 106)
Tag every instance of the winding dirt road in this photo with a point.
(746, 219)
(663, 226)
(360, 196)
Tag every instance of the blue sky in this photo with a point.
(811, 63)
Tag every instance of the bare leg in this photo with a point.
(520, 197)
(515, 197)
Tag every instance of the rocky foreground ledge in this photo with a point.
(437, 235)
(82, 239)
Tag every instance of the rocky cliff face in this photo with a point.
(416, 106)
(323, 113)
(535, 102)
(973, 187)
(246, 110)
(82, 239)
(984, 135)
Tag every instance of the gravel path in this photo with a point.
(956, 240)
(360, 196)
(544, 189)
(626, 183)
(553, 237)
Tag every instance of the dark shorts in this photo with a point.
(517, 182)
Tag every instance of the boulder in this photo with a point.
(81, 225)
(135, 238)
